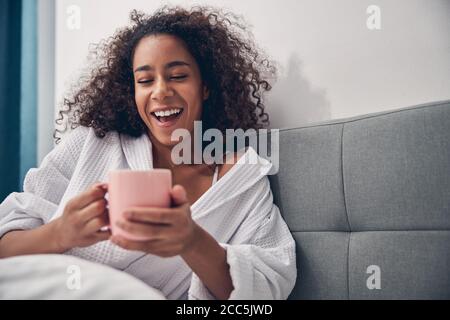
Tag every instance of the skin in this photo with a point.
(166, 74)
(158, 81)
(78, 226)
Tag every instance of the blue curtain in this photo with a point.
(28, 84)
(18, 97)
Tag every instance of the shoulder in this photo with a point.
(72, 142)
(84, 140)
(82, 136)
(74, 136)
(252, 161)
(230, 160)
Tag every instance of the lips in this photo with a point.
(166, 121)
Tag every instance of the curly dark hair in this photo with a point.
(233, 69)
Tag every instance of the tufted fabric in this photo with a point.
(369, 191)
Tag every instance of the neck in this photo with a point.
(161, 154)
(162, 157)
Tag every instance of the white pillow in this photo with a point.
(67, 277)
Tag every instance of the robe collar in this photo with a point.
(249, 169)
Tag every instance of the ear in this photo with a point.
(205, 93)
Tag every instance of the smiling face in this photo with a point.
(169, 91)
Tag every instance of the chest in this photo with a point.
(195, 184)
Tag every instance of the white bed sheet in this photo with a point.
(51, 277)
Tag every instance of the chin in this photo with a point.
(163, 139)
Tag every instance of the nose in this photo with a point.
(161, 90)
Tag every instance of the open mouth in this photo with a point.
(167, 117)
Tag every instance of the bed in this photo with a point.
(63, 277)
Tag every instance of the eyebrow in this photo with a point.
(167, 66)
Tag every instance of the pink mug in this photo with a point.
(136, 189)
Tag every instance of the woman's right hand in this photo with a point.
(82, 219)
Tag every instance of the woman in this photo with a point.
(223, 237)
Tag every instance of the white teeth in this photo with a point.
(167, 113)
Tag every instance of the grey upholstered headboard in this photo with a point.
(368, 202)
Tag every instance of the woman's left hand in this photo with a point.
(171, 231)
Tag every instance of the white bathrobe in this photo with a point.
(238, 211)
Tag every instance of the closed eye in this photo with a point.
(145, 81)
(176, 78)
(181, 77)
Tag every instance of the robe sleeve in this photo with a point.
(261, 257)
(43, 187)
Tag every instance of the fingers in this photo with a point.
(150, 215)
(94, 225)
(102, 235)
(93, 210)
(95, 192)
(179, 196)
(144, 246)
(145, 230)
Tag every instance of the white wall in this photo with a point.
(332, 65)
(46, 77)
